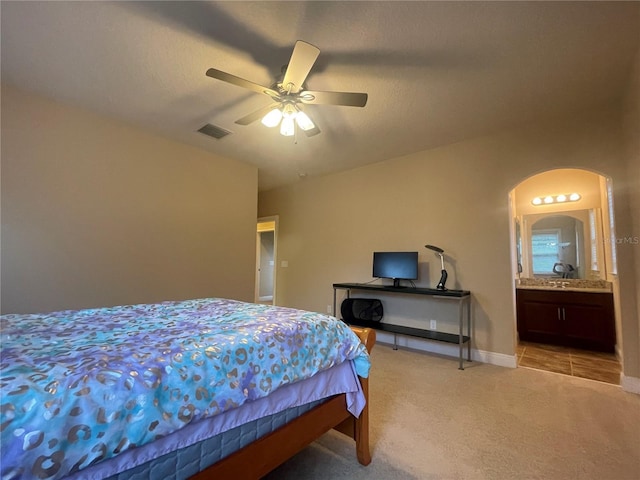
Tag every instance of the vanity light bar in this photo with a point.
(562, 198)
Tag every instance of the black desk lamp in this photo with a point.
(443, 276)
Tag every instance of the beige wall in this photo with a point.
(96, 213)
(632, 143)
(562, 180)
(455, 197)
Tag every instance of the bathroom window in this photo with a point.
(545, 251)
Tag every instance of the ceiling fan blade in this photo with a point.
(241, 82)
(334, 98)
(302, 59)
(258, 114)
(310, 133)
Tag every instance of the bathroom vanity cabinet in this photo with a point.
(562, 317)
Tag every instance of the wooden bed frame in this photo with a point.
(265, 454)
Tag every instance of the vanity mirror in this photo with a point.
(566, 244)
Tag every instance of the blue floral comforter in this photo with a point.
(81, 386)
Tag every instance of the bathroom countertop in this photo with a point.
(564, 289)
(570, 285)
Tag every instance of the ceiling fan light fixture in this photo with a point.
(289, 110)
(304, 122)
(288, 94)
(287, 127)
(272, 119)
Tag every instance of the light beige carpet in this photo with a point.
(430, 420)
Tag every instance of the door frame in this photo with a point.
(266, 220)
(608, 238)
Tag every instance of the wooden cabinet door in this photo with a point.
(590, 326)
(539, 321)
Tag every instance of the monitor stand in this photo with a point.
(396, 283)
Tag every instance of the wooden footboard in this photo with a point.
(358, 428)
(262, 456)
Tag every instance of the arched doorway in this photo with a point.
(563, 244)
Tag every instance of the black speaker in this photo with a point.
(368, 309)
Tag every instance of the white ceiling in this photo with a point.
(435, 72)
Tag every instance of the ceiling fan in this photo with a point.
(289, 94)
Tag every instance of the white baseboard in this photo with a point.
(448, 349)
(499, 359)
(630, 384)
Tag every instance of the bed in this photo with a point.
(204, 388)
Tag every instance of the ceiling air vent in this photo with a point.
(213, 131)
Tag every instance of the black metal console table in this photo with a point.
(463, 297)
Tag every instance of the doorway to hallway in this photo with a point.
(266, 248)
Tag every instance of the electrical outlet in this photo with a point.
(329, 309)
(432, 325)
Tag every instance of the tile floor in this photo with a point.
(603, 367)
